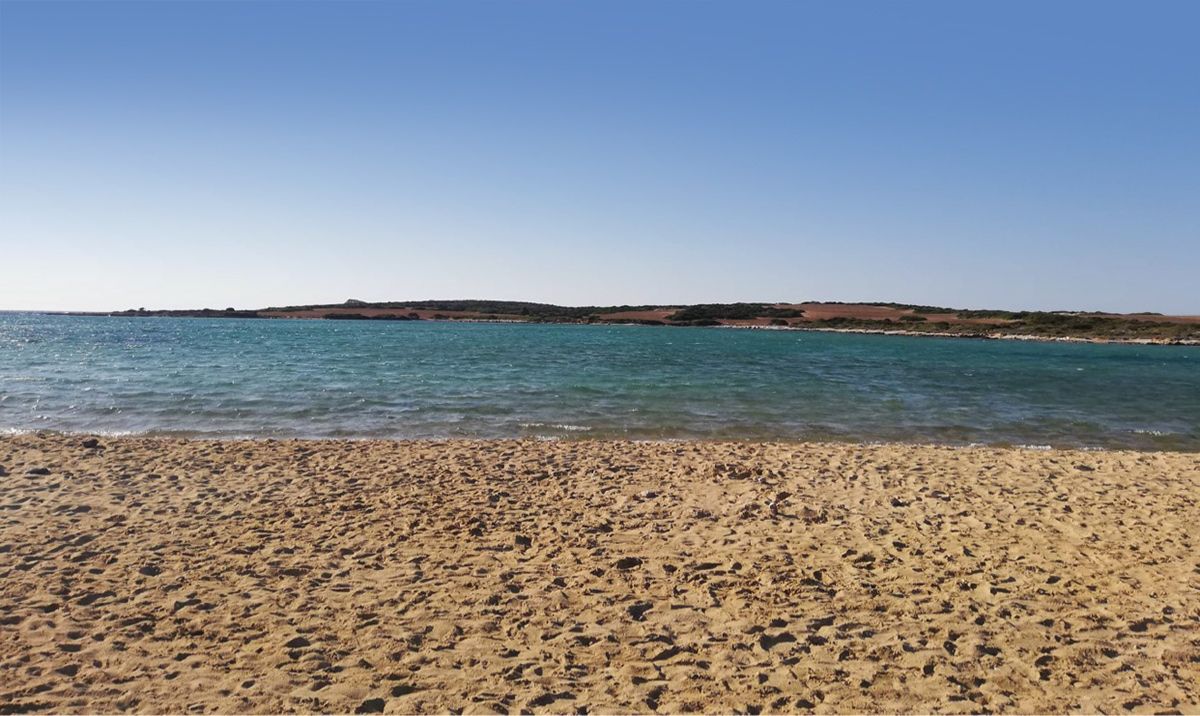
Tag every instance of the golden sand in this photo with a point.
(158, 575)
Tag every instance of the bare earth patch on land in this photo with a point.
(166, 575)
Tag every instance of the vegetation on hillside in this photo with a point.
(733, 311)
(1032, 323)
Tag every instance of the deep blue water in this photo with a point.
(294, 378)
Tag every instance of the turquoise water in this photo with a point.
(280, 378)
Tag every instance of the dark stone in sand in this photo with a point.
(91, 443)
(297, 643)
(38, 471)
(150, 570)
(628, 562)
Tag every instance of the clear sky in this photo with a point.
(977, 154)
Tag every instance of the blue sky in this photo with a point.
(1005, 154)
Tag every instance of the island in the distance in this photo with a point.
(901, 318)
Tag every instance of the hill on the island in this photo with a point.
(812, 315)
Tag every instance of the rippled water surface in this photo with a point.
(284, 378)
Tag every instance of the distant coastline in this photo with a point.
(867, 318)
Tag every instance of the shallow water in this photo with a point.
(294, 378)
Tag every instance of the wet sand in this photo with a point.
(164, 575)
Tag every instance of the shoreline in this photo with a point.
(1187, 342)
(985, 337)
(575, 436)
(167, 575)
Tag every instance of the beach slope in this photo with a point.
(170, 575)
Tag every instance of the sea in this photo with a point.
(272, 378)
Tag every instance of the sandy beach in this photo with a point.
(170, 575)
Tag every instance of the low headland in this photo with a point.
(168, 575)
(888, 318)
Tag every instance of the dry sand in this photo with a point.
(174, 575)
